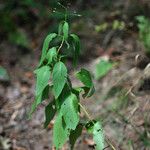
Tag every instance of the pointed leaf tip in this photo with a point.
(59, 77)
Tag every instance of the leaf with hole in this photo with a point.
(59, 77)
(98, 136)
(95, 128)
(89, 126)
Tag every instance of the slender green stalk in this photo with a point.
(62, 42)
(87, 114)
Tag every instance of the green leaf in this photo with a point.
(76, 43)
(19, 38)
(65, 30)
(47, 40)
(51, 55)
(102, 68)
(50, 111)
(68, 45)
(95, 128)
(84, 76)
(59, 77)
(3, 74)
(43, 76)
(74, 134)
(39, 99)
(64, 94)
(144, 31)
(60, 132)
(77, 91)
(69, 110)
(98, 136)
(60, 28)
(89, 126)
(88, 92)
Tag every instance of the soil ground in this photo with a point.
(121, 101)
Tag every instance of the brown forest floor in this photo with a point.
(121, 101)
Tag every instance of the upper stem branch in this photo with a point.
(62, 42)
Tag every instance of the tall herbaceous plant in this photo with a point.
(52, 77)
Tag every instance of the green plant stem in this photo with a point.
(62, 42)
(87, 114)
(65, 10)
(90, 118)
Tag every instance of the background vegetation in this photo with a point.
(115, 37)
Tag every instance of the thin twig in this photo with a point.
(62, 42)
(90, 118)
(87, 114)
(110, 144)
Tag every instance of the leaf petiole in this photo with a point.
(62, 42)
(86, 113)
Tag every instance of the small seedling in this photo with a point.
(3, 74)
(102, 68)
(115, 25)
(144, 31)
(52, 77)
